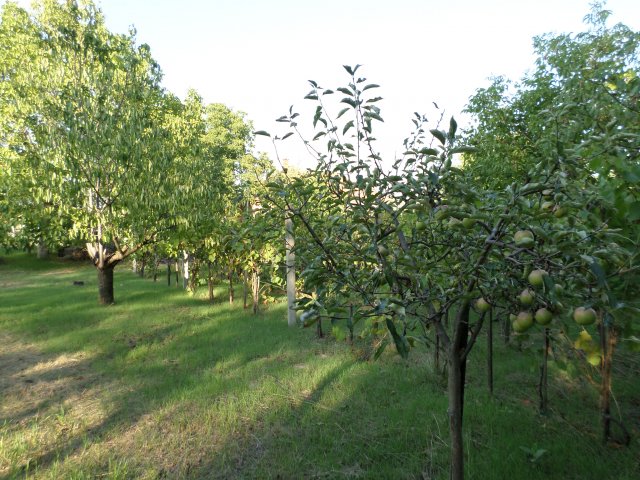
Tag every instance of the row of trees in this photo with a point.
(93, 150)
(540, 225)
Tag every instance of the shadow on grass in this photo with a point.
(185, 389)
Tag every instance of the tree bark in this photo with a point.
(608, 342)
(245, 289)
(255, 290)
(490, 353)
(456, 395)
(456, 380)
(544, 369)
(231, 293)
(185, 270)
(210, 282)
(290, 257)
(168, 272)
(105, 285)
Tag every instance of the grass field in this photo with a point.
(164, 385)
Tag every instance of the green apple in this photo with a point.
(543, 316)
(526, 297)
(594, 359)
(536, 277)
(547, 205)
(441, 212)
(482, 305)
(524, 238)
(420, 226)
(468, 222)
(559, 212)
(523, 322)
(584, 316)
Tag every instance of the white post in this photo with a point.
(290, 259)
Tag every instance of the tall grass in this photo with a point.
(163, 385)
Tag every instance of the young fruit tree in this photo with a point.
(421, 254)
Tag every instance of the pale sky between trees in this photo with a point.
(257, 55)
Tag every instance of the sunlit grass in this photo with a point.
(163, 385)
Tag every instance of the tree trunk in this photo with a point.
(105, 285)
(185, 271)
(43, 251)
(456, 381)
(255, 290)
(155, 267)
(544, 368)
(231, 293)
(134, 266)
(210, 282)
(143, 263)
(168, 272)
(245, 289)
(456, 398)
(291, 271)
(490, 353)
(608, 342)
(177, 273)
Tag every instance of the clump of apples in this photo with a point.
(524, 239)
(522, 322)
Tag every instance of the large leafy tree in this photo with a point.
(87, 123)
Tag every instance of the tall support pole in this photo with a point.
(290, 259)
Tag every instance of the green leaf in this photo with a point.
(262, 132)
(287, 135)
(343, 111)
(401, 342)
(347, 127)
(346, 91)
(453, 127)
(371, 85)
(439, 135)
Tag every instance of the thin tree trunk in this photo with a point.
(245, 289)
(608, 340)
(290, 258)
(155, 267)
(456, 392)
(185, 271)
(143, 263)
(168, 272)
(255, 290)
(456, 381)
(490, 353)
(544, 369)
(105, 285)
(177, 273)
(210, 282)
(134, 266)
(231, 293)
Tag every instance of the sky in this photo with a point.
(256, 56)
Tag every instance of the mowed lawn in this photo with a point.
(166, 385)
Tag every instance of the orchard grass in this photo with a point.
(166, 385)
